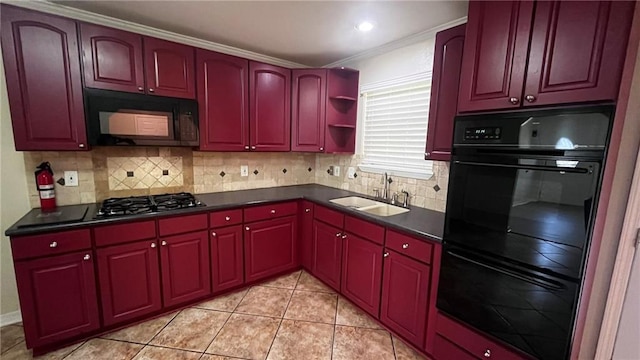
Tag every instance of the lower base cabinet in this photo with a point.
(227, 269)
(57, 297)
(327, 253)
(269, 247)
(362, 273)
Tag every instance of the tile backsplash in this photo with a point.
(118, 172)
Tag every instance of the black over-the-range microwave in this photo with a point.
(119, 118)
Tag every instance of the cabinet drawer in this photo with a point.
(225, 218)
(471, 342)
(122, 233)
(182, 224)
(270, 211)
(332, 217)
(417, 249)
(364, 229)
(24, 247)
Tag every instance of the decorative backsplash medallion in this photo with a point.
(127, 173)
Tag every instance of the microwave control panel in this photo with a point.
(482, 133)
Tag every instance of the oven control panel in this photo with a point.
(482, 133)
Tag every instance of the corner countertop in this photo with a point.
(418, 221)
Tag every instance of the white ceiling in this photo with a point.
(313, 33)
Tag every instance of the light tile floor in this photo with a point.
(292, 317)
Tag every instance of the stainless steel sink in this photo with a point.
(369, 206)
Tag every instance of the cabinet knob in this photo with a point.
(385, 254)
(487, 353)
(307, 210)
(321, 149)
(427, 154)
(151, 90)
(153, 245)
(81, 146)
(514, 100)
(246, 147)
(344, 236)
(273, 211)
(405, 246)
(214, 234)
(163, 243)
(87, 257)
(140, 88)
(253, 148)
(530, 98)
(53, 244)
(227, 218)
(247, 228)
(338, 234)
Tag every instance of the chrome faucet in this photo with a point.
(405, 203)
(385, 192)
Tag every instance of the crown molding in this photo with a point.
(406, 41)
(86, 16)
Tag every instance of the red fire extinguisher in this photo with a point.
(45, 186)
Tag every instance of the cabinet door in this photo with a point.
(129, 277)
(405, 290)
(306, 235)
(495, 55)
(270, 247)
(169, 68)
(327, 253)
(185, 267)
(577, 51)
(223, 96)
(226, 258)
(270, 107)
(362, 273)
(447, 64)
(57, 297)
(309, 100)
(44, 87)
(112, 58)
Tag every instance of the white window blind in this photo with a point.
(395, 127)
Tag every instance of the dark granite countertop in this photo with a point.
(418, 221)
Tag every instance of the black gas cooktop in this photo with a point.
(132, 205)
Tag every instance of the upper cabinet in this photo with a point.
(559, 52)
(269, 107)
(447, 63)
(124, 61)
(223, 99)
(44, 87)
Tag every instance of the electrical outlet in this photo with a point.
(336, 171)
(70, 178)
(351, 171)
(244, 170)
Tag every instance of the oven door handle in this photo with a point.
(526, 167)
(546, 284)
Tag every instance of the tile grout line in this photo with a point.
(283, 314)
(165, 325)
(393, 347)
(7, 350)
(225, 323)
(335, 324)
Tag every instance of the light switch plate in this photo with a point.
(336, 171)
(70, 178)
(244, 170)
(351, 171)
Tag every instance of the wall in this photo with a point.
(627, 346)
(13, 201)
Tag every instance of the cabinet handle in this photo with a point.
(530, 98)
(214, 234)
(81, 146)
(247, 228)
(338, 234)
(514, 100)
(140, 88)
(405, 246)
(487, 353)
(427, 154)
(273, 211)
(53, 244)
(227, 218)
(246, 147)
(321, 149)
(385, 254)
(87, 257)
(163, 243)
(307, 210)
(344, 236)
(153, 245)
(253, 148)
(151, 90)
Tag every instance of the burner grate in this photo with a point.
(146, 204)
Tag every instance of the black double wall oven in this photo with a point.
(523, 189)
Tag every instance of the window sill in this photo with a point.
(424, 174)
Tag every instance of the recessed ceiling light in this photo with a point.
(364, 26)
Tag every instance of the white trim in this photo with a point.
(86, 16)
(423, 76)
(406, 41)
(10, 318)
(413, 174)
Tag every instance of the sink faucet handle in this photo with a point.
(394, 198)
(405, 203)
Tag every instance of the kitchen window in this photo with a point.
(395, 126)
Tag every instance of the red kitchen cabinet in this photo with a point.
(269, 107)
(169, 68)
(341, 111)
(362, 272)
(227, 270)
(185, 267)
(112, 58)
(444, 92)
(561, 52)
(405, 294)
(223, 98)
(44, 86)
(305, 236)
(308, 104)
(58, 297)
(327, 253)
(270, 247)
(129, 278)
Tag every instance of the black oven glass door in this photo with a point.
(533, 211)
(529, 310)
